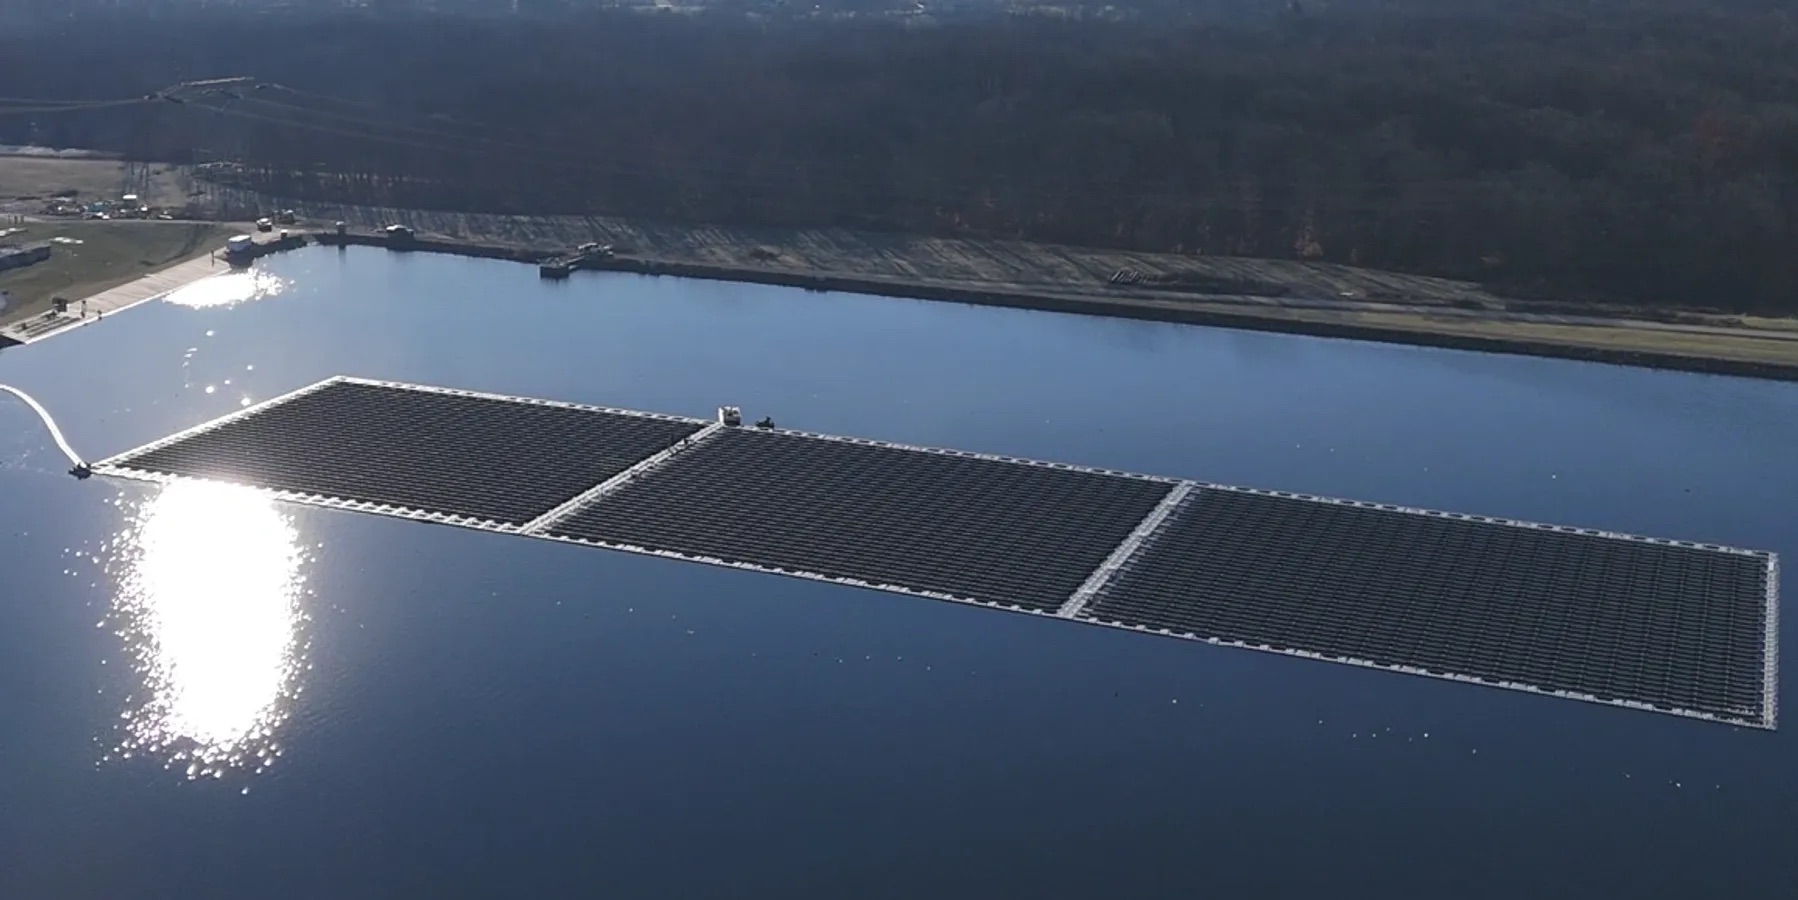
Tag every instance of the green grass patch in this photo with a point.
(110, 254)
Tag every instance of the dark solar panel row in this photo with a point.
(980, 529)
(1677, 627)
(485, 458)
(1680, 628)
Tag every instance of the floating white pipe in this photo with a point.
(55, 432)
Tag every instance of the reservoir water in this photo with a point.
(203, 694)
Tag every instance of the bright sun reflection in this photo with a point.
(227, 290)
(209, 607)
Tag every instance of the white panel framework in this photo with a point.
(1132, 544)
(1770, 655)
(594, 494)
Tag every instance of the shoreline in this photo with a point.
(152, 286)
(1188, 313)
(199, 261)
(1121, 308)
(1204, 311)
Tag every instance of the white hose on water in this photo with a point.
(55, 432)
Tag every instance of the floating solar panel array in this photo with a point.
(1669, 626)
(450, 456)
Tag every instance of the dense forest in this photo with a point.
(1643, 151)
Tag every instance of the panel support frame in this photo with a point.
(572, 506)
(1135, 542)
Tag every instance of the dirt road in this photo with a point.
(28, 179)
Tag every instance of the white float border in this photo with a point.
(1770, 655)
(510, 398)
(121, 459)
(213, 424)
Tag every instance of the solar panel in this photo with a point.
(975, 528)
(1603, 617)
(454, 454)
(1670, 626)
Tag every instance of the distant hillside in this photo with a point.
(1635, 150)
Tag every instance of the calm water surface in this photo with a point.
(205, 695)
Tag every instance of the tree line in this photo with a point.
(1637, 151)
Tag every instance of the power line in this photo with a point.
(1175, 194)
(66, 107)
(1423, 195)
(379, 109)
(533, 145)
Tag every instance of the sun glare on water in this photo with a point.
(227, 290)
(208, 604)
